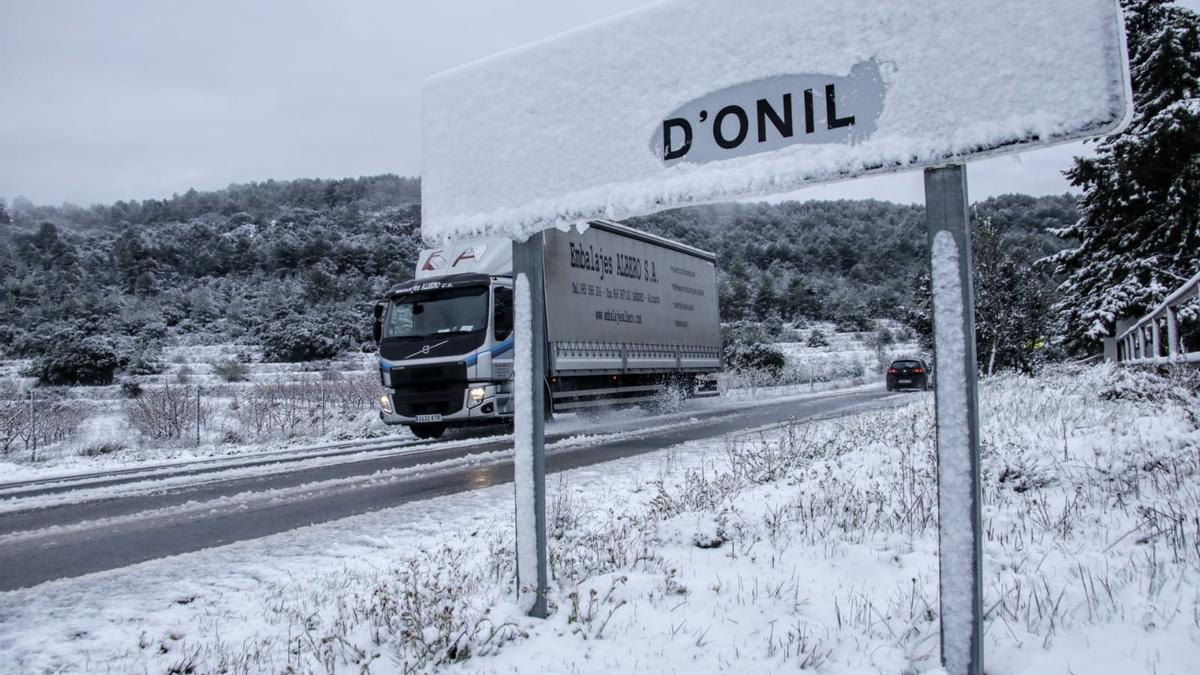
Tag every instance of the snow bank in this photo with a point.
(564, 130)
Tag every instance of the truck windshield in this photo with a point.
(459, 310)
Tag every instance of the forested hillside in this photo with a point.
(293, 265)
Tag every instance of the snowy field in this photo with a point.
(296, 407)
(805, 548)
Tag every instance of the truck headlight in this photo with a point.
(477, 394)
(385, 402)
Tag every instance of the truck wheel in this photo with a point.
(427, 430)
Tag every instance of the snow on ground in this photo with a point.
(271, 410)
(811, 547)
(568, 431)
(861, 354)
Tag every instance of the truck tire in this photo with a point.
(427, 430)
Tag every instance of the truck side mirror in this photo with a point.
(377, 327)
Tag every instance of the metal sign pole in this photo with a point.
(957, 404)
(529, 477)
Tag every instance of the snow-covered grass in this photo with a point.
(154, 418)
(802, 548)
(818, 356)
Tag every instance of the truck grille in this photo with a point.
(429, 390)
(423, 377)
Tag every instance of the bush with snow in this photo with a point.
(72, 357)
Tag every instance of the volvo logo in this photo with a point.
(424, 351)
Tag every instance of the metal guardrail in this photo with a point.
(1143, 344)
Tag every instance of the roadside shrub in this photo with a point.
(70, 358)
(283, 410)
(166, 412)
(817, 339)
(145, 362)
(102, 448)
(757, 356)
(307, 337)
(231, 370)
(773, 325)
(855, 322)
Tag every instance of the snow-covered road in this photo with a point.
(69, 526)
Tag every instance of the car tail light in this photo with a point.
(892, 371)
(918, 370)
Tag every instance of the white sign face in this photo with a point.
(696, 101)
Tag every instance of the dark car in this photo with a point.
(908, 374)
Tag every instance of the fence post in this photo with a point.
(1172, 334)
(33, 425)
(197, 416)
(1155, 342)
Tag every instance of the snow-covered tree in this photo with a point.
(1012, 300)
(1140, 229)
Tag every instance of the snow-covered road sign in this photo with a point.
(761, 97)
(572, 128)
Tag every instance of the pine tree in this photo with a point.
(1139, 233)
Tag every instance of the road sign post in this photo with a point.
(529, 441)
(957, 412)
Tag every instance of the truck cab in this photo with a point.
(445, 352)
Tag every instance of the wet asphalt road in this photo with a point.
(81, 537)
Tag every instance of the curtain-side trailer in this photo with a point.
(631, 318)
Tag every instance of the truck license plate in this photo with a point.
(429, 418)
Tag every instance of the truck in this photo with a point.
(631, 319)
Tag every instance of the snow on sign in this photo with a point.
(694, 101)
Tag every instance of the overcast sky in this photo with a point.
(102, 101)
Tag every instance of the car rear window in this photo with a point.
(905, 364)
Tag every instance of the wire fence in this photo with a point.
(41, 419)
(32, 420)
